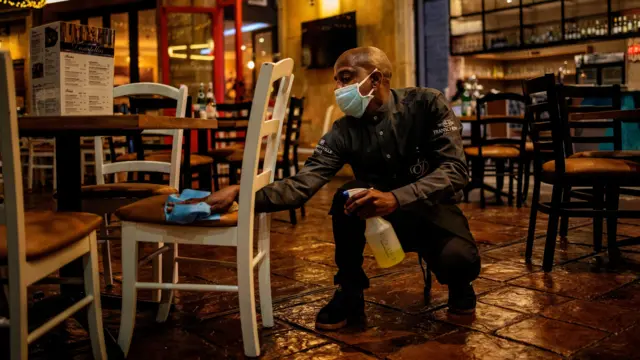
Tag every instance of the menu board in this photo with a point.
(71, 70)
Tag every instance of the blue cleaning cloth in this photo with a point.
(189, 213)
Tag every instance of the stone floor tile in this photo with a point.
(487, 318)
(622, 346)
(594, 314)
(330, 352)
(521, 299)
(626, 296)
(516, 253)
(471, 345)
(560, 337)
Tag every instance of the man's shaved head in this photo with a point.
(367, 57)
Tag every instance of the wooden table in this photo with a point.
(67, 131)
(623, 115)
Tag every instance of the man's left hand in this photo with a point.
(370, 203)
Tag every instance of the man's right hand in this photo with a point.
(219, 201)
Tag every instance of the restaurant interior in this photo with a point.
(115, 112)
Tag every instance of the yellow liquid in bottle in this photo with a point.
(383, 242)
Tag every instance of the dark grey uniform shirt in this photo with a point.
(412, 147)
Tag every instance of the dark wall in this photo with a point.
(436, 43)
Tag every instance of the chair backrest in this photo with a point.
(259, 128)
(12, 209)
(292, 132)
(543, 118)
(568, 95)
(172, 168)
(233, 121)
(480, 131)
(327, 119)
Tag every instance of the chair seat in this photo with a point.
(47, 232)
(126, 190)
(151, 211)
(493, 151)
(633, 155)
(165, 156)
(594, 170)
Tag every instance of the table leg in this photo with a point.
(69, 186)
(69, 192)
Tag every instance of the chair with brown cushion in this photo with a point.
(197, 164)
(35, 244)
(550, 135)
(104, 199)
(233, 121)
(145, 222)
(503, 151)
(579, 133)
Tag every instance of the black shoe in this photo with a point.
(462, 299)
(346, 307)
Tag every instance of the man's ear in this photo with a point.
(376, 79)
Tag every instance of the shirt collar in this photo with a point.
(390, 107)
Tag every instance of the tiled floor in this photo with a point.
(581, 310)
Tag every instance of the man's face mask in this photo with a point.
(350, 101)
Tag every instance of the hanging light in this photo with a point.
(34, 4)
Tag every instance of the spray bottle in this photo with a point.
(381, 237)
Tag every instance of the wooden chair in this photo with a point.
(41, 149)
(569, 96)
(144, 221)
(104, 199)
(506, 153)
(287, 163)
(233, 122)
(35, 244)
(198, 164)
(550, 135)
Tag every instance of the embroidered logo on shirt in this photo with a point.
(322, 148)
(446, 126)
(420, 168)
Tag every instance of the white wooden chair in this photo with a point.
(144, 222)
(35, 244)
(104, 199)
(41, 149)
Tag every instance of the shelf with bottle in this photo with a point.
(624, 24)
(542, 34)
(205, 104)
(501, 39)
(586, 28)
(466, 43)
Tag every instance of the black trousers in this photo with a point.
(453, 259)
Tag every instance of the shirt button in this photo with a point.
(381, 132)
(375, 118)
(388, 156)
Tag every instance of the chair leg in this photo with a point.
(519, 185)
(106, 263)
(169, 275)
(55, 173)
(552, 228)
(483, 202)
(598, 204)
(510, 199)
(30, 168)
(94, 310)
(527, 177)
(129, 292)
(19, 329)
(564, 222)
(500, 171)
(531, 235)
(264, 272)
(246, 296)
(612, 202)
(156, 271)
(286, 172)
(303, 213)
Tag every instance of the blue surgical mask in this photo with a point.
(350, 101)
